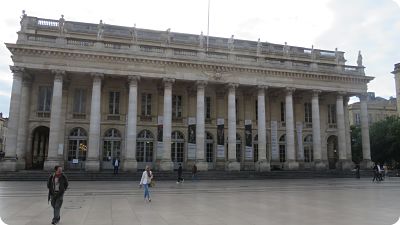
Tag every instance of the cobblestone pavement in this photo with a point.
(241, 202)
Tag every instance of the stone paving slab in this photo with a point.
(241, 202)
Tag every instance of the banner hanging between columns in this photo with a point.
(220, 139)
(159, 137)
(191, 138)
(274, 141)
(248, 138)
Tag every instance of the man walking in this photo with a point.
(116, 165)
(180, 170)
(57, 185)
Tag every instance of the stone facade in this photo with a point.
(87, 94)
(3, 132)
(378, 109)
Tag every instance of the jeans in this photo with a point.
(146, 191)
(116, 169)
(56, 203)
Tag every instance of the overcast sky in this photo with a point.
(372, 26)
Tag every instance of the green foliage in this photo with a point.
(356, 144)
(385, 140)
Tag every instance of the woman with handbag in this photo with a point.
(145, 181)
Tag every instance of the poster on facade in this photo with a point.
(300, 150)
(274, 141)
(220, 139)
(191, 138)
(248, 139)
(159, 137)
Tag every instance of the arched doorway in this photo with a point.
(209, 150)
(111, 148)
(77, 148)
(144, 148)
(332, 147)
(40, 145)
(177, 148)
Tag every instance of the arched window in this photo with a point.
(177, 146)
(111, 144)
(282, 148)
(77, 144)
(144, 146)
(209, 147)
(308, 149)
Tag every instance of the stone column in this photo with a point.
(291, 162)
(200, 127)
(316, 128)
(367, 163)
(263, 164)
(344, 163)
(347, 128)
(232, 164)
(23, 123)
(9, 163)
(130, 163)
(93, 163)
(166, 163)
(53, 158)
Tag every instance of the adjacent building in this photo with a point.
(85, 94)
(378, 109)
(3, 132)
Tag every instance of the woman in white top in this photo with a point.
(145, 181)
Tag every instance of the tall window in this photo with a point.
(307, 112)
(357, 119)
(80, 101)
(238, 148)
(209, 147)
(176, 106)
(208, 107)
(146, 104)
(113, 103)
(144, 146)
(308, 149)
(282, 148)
(255, 148)
(256, 109)
(77, 144)
(331, 113)
(44, 99)
(283, 108)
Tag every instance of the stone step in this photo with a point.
(26, 175)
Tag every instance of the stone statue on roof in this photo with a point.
(61, 23)
(24, 20)
(133, 32)
(259, 47)
(313, 53)
(359, 59)
(100, 30)
(231, 41)
(286, 49)
(201, 40)
(168, 37)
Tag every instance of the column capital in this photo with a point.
(232, 86)
(97, 76)
(201, 83)
(363, 96)
(316, 92)
(133, 79)
(58, 75)
(17, 70)
(168, 82)
(290, 90)
(262, 87)
(341, 94)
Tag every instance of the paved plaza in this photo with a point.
(241, 202)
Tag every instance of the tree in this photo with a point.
(385, 140)
(356, 144)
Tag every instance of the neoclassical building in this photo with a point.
(396, 73)
(85, 94)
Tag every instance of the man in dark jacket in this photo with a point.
(180, 179)
(57, 185)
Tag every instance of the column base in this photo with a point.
(232, 166)
(320, 165)
(129, 165)
(263, 166)
(21, 164)
(166, 165)
(8, 165)
(367, 164)
(202, 165)
(49, 164)
(291, 165)
(345, 164)
(92, 165)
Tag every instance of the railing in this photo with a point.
(79, 42)
(146, 48)
(47, 23)
(79, 116)
(185, 52)
(43, 114)
(215, 55)
(113, 117)
(48, 39)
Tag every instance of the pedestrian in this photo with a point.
(147, 175)
(57, 185)
(358, 171)
(180, 179)
(116, 165)
(194, 172)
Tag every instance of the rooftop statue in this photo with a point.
(259, 47)
(100, 30)
(24, 20)
(359, 59)
(286, 49)
(231, 45)
(201, 40)
(133, 32)
(168, 33)
(61, 24)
